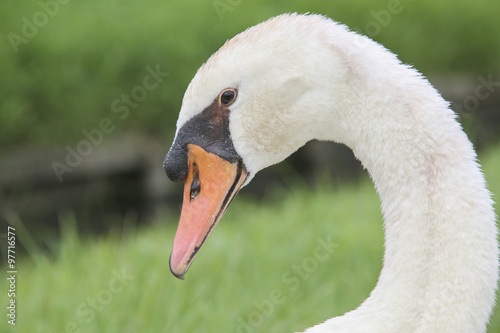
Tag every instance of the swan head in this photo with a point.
(253, 103)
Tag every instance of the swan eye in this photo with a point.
(227, 96)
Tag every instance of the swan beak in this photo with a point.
(211, 184)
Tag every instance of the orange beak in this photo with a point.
(211, 184)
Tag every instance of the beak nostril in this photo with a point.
(195, 185)
(195, 189)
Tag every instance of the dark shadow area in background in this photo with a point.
(122, 180)
(101, 197)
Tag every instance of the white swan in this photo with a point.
(295, 78)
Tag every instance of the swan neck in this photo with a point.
(440, 261)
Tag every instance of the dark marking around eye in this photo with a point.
(210, 130)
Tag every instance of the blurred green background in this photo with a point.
(65, 66)
(64, 79)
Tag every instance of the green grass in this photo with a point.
(245, 273)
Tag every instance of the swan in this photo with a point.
(296, 78)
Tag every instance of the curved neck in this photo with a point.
(440, 261)
(441, 256)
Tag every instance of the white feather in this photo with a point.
(305, 77)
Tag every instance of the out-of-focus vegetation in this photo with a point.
(78, 57)
(245, 278)
(67, 65)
